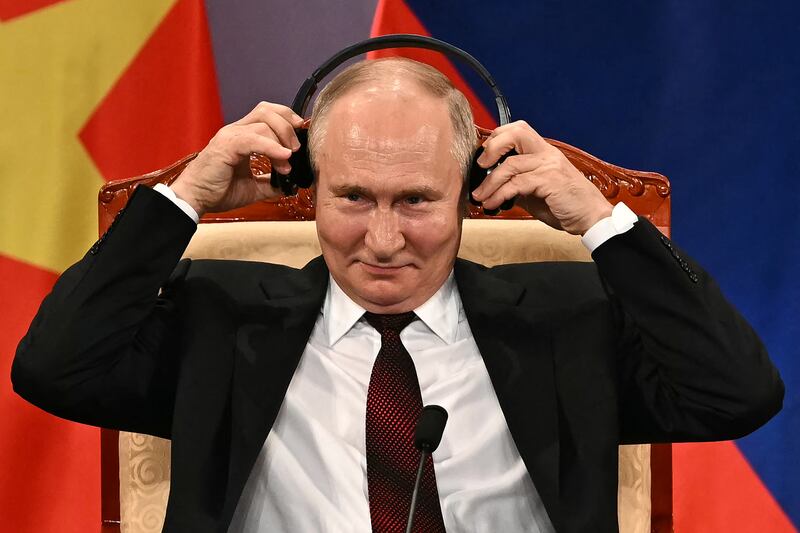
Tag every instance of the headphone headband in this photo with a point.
(398, 40)
(301, 174)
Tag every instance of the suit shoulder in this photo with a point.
(234, 270)
(567, 280)
(233, 280)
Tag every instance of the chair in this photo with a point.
(135, 468)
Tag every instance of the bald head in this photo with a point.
(404, 81)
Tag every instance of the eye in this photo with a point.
(353, 197)
(414, 200)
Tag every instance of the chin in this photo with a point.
(383, 294)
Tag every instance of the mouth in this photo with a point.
(381, 270)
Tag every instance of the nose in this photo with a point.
(384, 236)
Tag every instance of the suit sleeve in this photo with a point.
(100, 349)
(690, 366)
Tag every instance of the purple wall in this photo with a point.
(264, 50)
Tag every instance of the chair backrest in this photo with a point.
(136, 467)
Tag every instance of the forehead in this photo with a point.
(412, 142)
(388, 124)
(390, 109)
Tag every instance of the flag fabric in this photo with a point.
(91, 90)
(705, 93)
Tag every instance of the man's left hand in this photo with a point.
(548, 186)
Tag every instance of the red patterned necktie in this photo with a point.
(394, 404)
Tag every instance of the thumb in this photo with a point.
(262, 189)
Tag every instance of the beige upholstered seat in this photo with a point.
(144, 460)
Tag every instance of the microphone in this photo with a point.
(427, 437)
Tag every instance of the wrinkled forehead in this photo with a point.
(389, 123)
(417, 141)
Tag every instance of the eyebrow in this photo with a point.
(422, 190)
(340, 190)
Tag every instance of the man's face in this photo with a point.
(387, 196)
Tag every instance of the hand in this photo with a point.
(549, 187)
(219, 178)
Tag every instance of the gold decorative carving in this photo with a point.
(126, 186)
(144, 474)
(300, 206)
(634, 493)
(608, 177)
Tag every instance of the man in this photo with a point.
(289, 395)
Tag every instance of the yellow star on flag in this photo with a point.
(56, 65)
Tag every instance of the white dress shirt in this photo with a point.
(311, 473)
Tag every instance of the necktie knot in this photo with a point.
(389, 324)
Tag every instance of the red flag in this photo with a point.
(92, 91)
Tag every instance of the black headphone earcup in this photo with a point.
(301, 175)
(476, 176)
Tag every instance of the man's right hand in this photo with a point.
(219, 178)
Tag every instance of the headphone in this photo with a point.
(301, 174)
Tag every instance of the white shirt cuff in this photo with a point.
(621, 220)
(184, 206)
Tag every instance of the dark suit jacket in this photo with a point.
(638, 347)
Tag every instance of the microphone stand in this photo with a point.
(423, 457)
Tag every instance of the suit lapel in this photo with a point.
(515, 343)
(270, 340)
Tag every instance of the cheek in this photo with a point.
(433, 236)
(339, 233)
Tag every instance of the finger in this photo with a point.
(517, 135)
(258, 112)
(263, 189)
(527, 183)
(247, 190)
(263, 108)
(515, 164)
(260, 134)
(497, 147)
(287, 113)
(280, 128)
(499, 129)
(247, 142)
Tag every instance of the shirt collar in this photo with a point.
(339, 312)
(439, 313)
